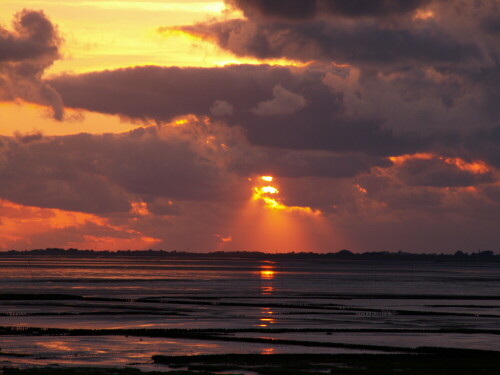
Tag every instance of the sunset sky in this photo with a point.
(285, 125)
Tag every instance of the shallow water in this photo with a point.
(123, 351)
(139, 277)
(240, 293)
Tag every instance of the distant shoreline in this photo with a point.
(486, 256)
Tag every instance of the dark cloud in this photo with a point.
(33, 37)
(30, 137)
(305, 9)
(363, 42)
(284, 102)
(394, 112)
(304, 113)
(485, 81)
(334, 134)
(25, 53)
(35, 174)
(491, 24)
(492, 192)
(429, 201)
(485, 144)
(357, 8)
(162, 166)
(377, 34)
(105, 173)
(164, 93)
(295, 164)
(439, 173)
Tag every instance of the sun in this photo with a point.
(270, 196)
(269, 190)
(267, 223)
(266, 193)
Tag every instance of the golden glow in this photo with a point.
(265, 223)
(361, 189)
(423, 14)
(268, 195)
(266, 286)
(125, 33)
(27, 118)
(55, 345)
(139, 209)
(169, 32)
(269, 190)
(179, 122)
(250, 61)
(267, 351)
(401, 159)
(267, 271)
(267, 274)
(224, 238)
(208, 43)
(266, 290)
(151, 6)
(266, 319)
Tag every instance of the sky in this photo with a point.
(205, 125)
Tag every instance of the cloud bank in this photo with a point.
(390, 131)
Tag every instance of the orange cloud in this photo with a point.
(424, 14)
(401, 159)
(139, 209)
(474, 166)
(35, 227)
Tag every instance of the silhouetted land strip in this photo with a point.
(484, 256)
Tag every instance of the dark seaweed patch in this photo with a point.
(432, 361)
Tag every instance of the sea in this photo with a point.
(286, 305)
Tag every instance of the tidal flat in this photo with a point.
(432, 361)
(130, 315)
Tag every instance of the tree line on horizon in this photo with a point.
(481, 255)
